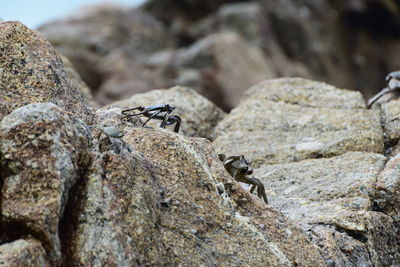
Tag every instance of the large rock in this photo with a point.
(332, 199)
(42, 154)
(32, 71)
(86, 38)
(199, 115)
(288, 120)
(249, 20)
(157, 198)
(198, 209)
(213, 58)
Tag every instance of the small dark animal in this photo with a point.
(238, 167)
(157, 112)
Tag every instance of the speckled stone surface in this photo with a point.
(199, 115)
(270, 128)
(42, 151)
(31, 71)
(23, 252)
(336, 195)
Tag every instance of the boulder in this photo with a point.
(333, 200)
(42, 153)
(89, 36)
(199, 115)
(212, 59)
(162, 195)
(32, 72)
(249, 20)
(287, 120)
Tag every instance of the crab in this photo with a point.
(239, 168)
(158, 112)
(393, 86)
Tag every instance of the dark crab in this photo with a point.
(239, 168)
(393, 86)
(157, 112)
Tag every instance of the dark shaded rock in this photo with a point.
(185, 10)
(199, 115)
(32, 71)
(249, 20)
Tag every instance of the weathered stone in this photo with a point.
(391, 124)
(42, 154)
(213, 57)
(199, 210)
(269, 127)
(332, 199)
(32, 71)
(23, 253)
(199, 115)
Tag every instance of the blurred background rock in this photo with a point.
(222, 47)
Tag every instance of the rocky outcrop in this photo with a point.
(43, 152)
(89, 37)
(97, 189)
(32, 71)
(207, 66)
(199, 115)
(336, 42)
(288, 120)
(338, 189)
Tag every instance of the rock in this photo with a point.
(249, 20)
(186, 10)
(127, 75)
(195, 212)
(23, 253)
(199, 115)
(332, 199)
(42, 153)
(77, 81)
(288, 120)
(32, 71)
(88, 37)
(213, 57)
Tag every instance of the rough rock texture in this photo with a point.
(213, 59)
(31, 70)
(288, 120)
(161, 197)
(23, 253)
(199, 115)
(42, 151)
(346, 201)
(87, 38)
(196, 212)
(334, 197)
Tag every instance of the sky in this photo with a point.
(33, 13)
